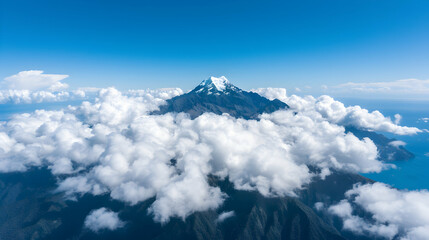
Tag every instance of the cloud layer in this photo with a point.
(113, 146)
(26, 96)
(335, 112)
(12, 96)
(398, 214)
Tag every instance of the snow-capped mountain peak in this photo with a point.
(220, 83)
(215, 85)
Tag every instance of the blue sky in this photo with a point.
(152, 44)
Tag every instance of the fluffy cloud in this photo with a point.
(26, 96)
(272, 93)
(154, 95)
(397, 143)
(398, 214)
(335, 112)
(35, 80)
(101, 219)
(356, 116)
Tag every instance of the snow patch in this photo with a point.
(219, 83)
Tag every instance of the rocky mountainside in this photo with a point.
(32, 211)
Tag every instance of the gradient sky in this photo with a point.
(153, 44)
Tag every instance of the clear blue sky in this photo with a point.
(141, 44)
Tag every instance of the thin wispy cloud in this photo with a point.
(410, 88)
(225, 215)
(424, 119)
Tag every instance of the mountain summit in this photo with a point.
(218, 95)
(215, 85)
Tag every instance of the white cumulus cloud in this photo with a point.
(103, 219)
(272, 93)
(399, 214)
(335, 112)
(35, 80)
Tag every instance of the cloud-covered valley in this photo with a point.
(112, 145)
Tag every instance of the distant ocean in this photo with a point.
(411, 174)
